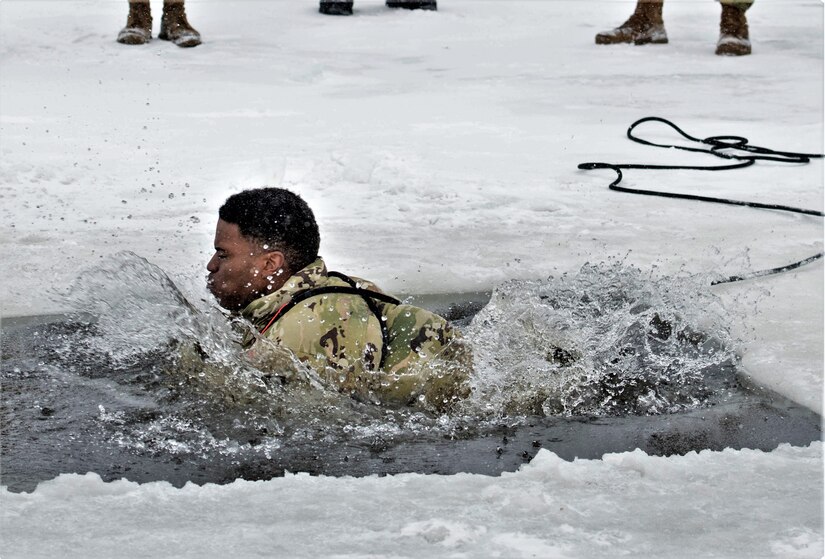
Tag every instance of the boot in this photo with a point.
(733, 32)
(175, 27)
(413, 4)
(138, 30)
(644, 26)
(336, 7)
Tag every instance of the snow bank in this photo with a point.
(722, 504)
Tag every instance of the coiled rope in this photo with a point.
(718, 146)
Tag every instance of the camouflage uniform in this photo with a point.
(339, 337)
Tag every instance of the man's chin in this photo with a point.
(227, 304)
(234, 302)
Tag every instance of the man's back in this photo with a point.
(339, 335)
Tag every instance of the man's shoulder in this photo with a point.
(266, 306)
(314, 308)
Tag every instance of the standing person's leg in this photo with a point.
(138, 30)
(344, 7)
(175, 27)
(413, 4)
(644, 26)
(734, 39)
(335, 7)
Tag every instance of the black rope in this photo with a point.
(761, 273)
(718, 145)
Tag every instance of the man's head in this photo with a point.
(263, 236)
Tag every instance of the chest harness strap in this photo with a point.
(370, 297)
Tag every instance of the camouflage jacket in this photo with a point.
(339, 337)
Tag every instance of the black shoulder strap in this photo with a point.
(369, 297)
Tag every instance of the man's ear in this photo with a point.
(273, 261)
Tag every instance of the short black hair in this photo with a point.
(278, 218)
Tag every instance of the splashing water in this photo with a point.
(135, 328)
(137, 309)
(604, 341)
(143, 371)
(149, 383)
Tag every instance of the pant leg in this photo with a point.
(741, 4)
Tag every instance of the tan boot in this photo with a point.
(138, 30)
(175, 27)
(733, 31)
(644, 26)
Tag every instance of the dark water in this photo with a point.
(605, 360)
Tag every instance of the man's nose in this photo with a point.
(212, 265)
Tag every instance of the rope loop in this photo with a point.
(718, 144)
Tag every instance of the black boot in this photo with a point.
(138, 30)
(413, 4)
(644, 26)
(176, 28)
(336, 7)
(734, 39)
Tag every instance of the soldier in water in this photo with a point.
(173, 25)
(358, 339)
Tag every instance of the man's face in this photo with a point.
(237, 270)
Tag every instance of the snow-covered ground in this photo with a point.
(439, 150)
(728, 504)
